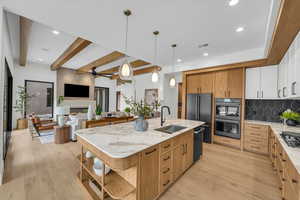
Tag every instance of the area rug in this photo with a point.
(47, 137)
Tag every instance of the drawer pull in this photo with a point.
(147, 153)
(255, 127)
(280, 171)
(167, 158)
(283, 179)
(280, 188)
(280, 154)
(294, 181)
(166, 183)
(167, 146)
(283, 160)
(166, 171)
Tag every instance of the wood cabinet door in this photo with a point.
(189, 151)
(221, 84)
(235, 83)
(193, 84)
(149, 173)
(178, 161)
(206, 81)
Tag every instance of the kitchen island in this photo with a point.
(143, 164)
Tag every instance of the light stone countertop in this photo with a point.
(121, 140)
(293, 153)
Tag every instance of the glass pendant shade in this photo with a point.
(172, 82)
(125, 70)
(155, 76)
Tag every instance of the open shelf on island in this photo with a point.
(115, 185)
(87, 187)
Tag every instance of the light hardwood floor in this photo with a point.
(41, 172)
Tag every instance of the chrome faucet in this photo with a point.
(162, 120)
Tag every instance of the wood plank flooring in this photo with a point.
(37, 171)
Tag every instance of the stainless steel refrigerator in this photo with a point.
(199, 107)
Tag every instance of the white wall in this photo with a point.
(111, 84)
(142, 82)
(35, 72)
(5, 53)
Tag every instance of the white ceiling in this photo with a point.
(187, 23)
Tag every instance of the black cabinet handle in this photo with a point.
(166, 171)
(167, 146)
(166, 183)
(147, 153)
(167, 158)
(294, 181)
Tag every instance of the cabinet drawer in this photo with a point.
(166, 159)
(227, 141)
(165, 180)
(256, 148)
(256, 127)
(255, 133)
(165, 146)
(256, 140)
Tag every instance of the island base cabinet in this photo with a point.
(149, 174)
(183, 154)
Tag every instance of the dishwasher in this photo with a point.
(198, 142)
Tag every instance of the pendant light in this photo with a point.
(172, 81)
(125, 70)
(155, 74)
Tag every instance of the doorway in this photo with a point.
(42, 102)
(7, 108)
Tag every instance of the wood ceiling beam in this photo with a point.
(25, 28)
(114, 56)
(78, 45)
(286, 29)
(141, 71)
(252, 63)
(134, 64)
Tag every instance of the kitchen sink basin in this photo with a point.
(170, 129)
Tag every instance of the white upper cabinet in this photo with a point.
(289, 72)
(261, 82)
(252, 83)
(269, 82)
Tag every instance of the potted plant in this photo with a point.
(98, 112)
(127, 110)
(21, 103)
(291, 118)
(141, 110)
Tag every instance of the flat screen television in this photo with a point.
(72, 90)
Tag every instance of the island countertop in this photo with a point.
(122, 141)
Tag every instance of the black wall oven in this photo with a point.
(228, 118)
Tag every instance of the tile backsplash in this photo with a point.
(269, 110)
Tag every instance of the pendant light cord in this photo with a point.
(155, 50)
(173, 68)
(126, 34)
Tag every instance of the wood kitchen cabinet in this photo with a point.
(183, 154)
(149, 173)
(200, 83)
(229, 83)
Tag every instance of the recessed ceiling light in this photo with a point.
(179, 60)
(205, 54)
(40, 59)
(55, 32)
(233, 2)
(239, 29)
(45, 49)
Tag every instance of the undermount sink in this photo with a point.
(170, 129)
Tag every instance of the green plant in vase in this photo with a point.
(291, 118)
(98, 112)
(127, 110)
(140, 109)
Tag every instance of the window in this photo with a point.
(118, 100)
(102, 98)
(49, 97)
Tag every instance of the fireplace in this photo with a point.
(79, 110)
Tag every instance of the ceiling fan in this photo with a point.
(106, 75)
